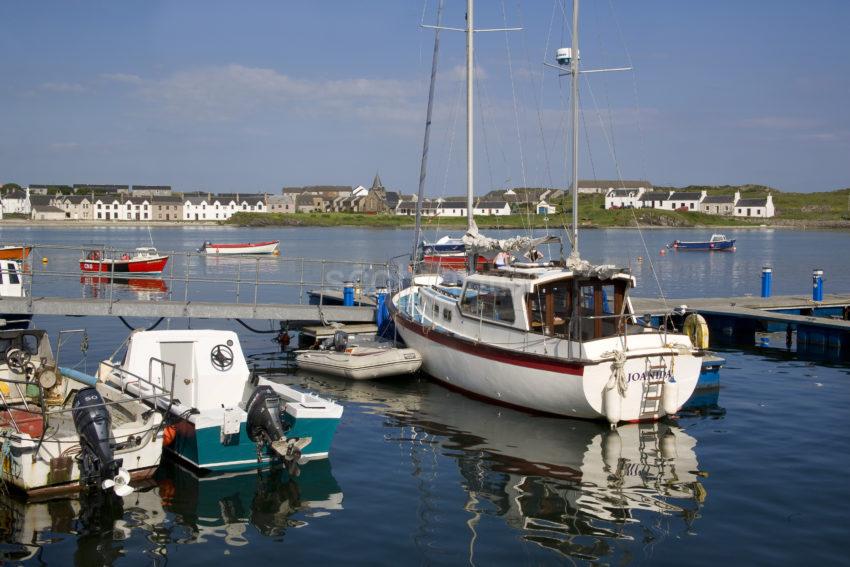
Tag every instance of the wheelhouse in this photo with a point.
(556, 303)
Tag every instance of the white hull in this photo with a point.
(46, 475)
(269, 248)
(541, 379)
(361, 363)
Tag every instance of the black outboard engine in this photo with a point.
(94, 426)
(264, 419)
(340, 341)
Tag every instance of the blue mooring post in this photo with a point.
(348, 294)
(382, 314)
(817, 285)
(766, 281)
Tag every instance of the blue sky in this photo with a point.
(252, 96)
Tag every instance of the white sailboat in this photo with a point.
(557, 337)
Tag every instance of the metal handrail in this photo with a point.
(296, 265)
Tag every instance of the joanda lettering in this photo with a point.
(651, 375)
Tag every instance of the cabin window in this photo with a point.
(488, 301)
(13, 274)
(447, 315)
(436, 310)
(550, 309)
(29, 343)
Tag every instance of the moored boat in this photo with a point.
(62, 431)
(14, 252)
(359, 361)
(270, 247)
(444, 245)
(716, 242)
(11, 285)
(222, 418)
(556, 337)
(143, 261)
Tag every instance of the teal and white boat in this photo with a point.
(221, 418)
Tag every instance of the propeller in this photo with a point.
(120, 483)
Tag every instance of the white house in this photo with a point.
(684, 200)
(603, 186)
(623, 198)
(17, 201)
(359, 191)
(491, 208)
(761, 207)
(653, 200)
(544, 208)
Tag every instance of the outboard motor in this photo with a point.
(340, 341)
(94, 426)
(264, 419)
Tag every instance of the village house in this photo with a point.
(761, 207)
(603, 186)
(685, 200)
(623, 198)
(16, 201)
(281, 204)
(719, 204)
(490, 208)
(544, 208)
(407, 207)
(653, 200)
(88, 189)
(151, 190)
(167, 207)
(195, 207)
(75, 207)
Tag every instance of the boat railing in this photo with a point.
(190, 276)
(157, 391)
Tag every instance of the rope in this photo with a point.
(253, 330)
(151, 328)
(618, 373)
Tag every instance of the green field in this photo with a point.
(791, 208)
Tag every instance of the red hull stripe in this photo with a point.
(523, 359)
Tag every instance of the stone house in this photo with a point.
(719, 204)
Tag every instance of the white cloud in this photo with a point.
(64, 87)
(223, 93)
(778, 123)
(127, 78)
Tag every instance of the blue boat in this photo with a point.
(221, 418)
(717, 242)
(444, 245)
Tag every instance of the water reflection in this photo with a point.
(179, 508)
(575, 487)
(222, 507)
(141, 288)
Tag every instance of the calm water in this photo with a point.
(419, 474)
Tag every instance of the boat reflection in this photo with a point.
(179, 508)
(224, 506)
(576, 487)
(140, 287)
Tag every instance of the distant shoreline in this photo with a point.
(785, 224)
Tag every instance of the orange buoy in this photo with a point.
(168, 435)
(662, 252)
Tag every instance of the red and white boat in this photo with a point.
(144, 261)
(270, 247)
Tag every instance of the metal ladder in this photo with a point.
(653, 387)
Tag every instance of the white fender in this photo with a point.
(612, 403)
(670, 397)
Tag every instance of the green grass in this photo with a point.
(823, 206)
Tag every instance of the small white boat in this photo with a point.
(60, 435)
(221, 417)
(359, 361)
(270, 247)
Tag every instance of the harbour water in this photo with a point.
(422, 475)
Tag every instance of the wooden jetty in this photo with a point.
(819, 325)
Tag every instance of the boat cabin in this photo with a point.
(208, 366)
(718, 238)
(145, 252)
(551, 301)
(10, 279)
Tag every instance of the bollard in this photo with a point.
(766, 281)
(348, 294)
(382, 314)
(817, 285)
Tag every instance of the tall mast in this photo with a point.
(574, 77)
(470, 33)
(423, 166)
